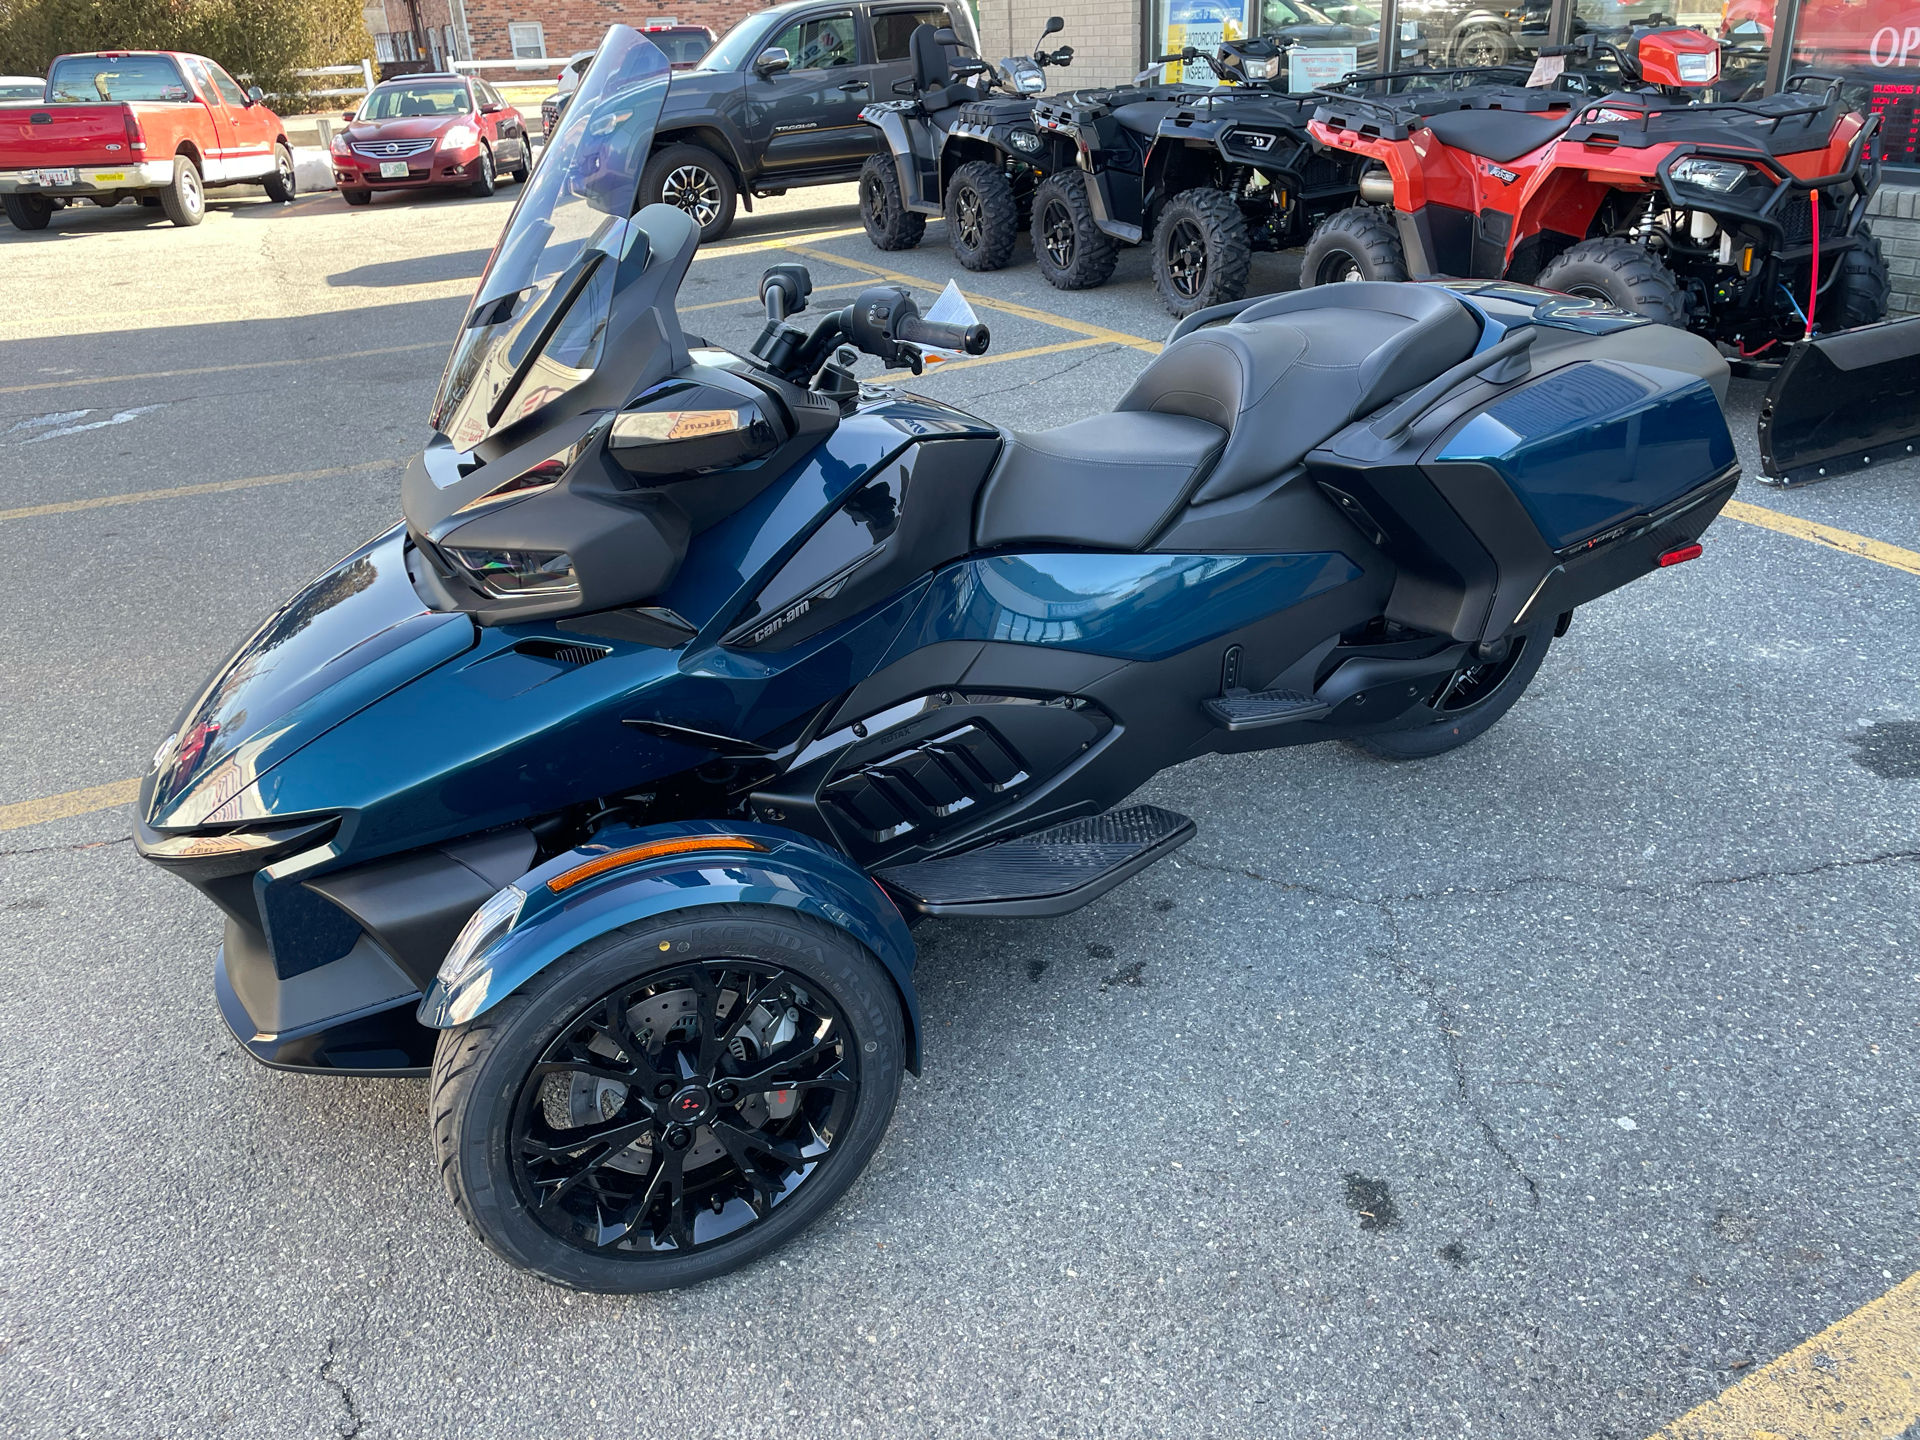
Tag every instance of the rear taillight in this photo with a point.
(1680, 556)
(136, 141)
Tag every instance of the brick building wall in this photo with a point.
(569, 26)
(1895, 212)
(1105, 37)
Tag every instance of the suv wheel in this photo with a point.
(983, 218)
(692, 178)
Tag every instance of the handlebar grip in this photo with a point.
(1549, 50)
(969, 339)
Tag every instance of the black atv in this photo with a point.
(1212, 175)
(965, 150)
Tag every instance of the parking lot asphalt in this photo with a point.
(1553, 1087)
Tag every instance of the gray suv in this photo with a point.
(776, 103)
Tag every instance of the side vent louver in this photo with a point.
(566, 652)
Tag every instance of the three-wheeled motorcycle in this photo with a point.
(607, 787)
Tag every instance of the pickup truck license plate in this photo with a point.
(55, 177)
(393, 169)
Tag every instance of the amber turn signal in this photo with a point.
(652, 850)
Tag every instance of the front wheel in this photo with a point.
(1073, 253)
(883, 209)
(1619, 273)
(1859, 295)
(484, 180)
(28, 212)
(282, 185)
(1358, 243)
(1467, 705)
(671, 1100)
(983, 218)
(1202, 253)
(695, 180)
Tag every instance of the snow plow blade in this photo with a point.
(1842, 403)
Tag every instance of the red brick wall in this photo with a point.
(573, 25)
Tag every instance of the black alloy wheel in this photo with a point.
(693, 189)
(1070, 248)
(1202, 253)
(983, 218)
(1467, 704)
(686, 1118)
(883, 209)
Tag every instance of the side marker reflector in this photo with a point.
(1680, 556)
(653, 850)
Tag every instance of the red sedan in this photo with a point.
(428, 131)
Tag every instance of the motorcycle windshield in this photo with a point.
(538, 321)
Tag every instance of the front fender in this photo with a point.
(794, 871)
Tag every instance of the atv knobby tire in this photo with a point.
(1068, 246)
(1201, 251)
(1858, 294)
(1358, 243)
(983, 218)
(1622, 274)
(883, 209)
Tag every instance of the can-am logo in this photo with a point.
(1505, 177)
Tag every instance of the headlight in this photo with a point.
(483, 927)
(458, 137)
(1025, 140)
(1719, 176)
(1261, 69)
(509, 574)
(339, 146)
(656, 427)
(1032, 82)
(1697, 69)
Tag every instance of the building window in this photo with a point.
(529, 41)
(1874, 44)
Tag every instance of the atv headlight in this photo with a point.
(1696, 69)
(1719, 176)
(483, 928)
(1260, 69)
(1031, 82)
(1025, 140)
(510, 574)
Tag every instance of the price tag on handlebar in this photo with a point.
(1546, 70)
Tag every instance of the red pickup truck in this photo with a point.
(153, 124)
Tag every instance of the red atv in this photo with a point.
(1741, 221)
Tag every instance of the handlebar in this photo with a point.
(929, 334)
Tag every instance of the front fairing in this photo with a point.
(355, 634)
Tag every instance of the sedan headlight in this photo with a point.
(1722, 177)
(459, 137)
(339, 145)
(1025, 140)
(483, 928)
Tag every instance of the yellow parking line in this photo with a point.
(1842, 540)
(62, 807)
(755, 299)
(174, 492)
(1859, 1379)
(945, 366)
(222, 369)
(1005, 307)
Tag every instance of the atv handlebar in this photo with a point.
(930, 334)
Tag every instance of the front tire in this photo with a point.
(1621, 274)
(695, 180)
(283, 184)
(1859, 295)
(357, 197)
(185, 200)
(1471, 703)
(596, 1126)
(983, 218)
(28, 212)
(485, 182)
(1068, 246)
(883, 209)
(1202, 253)
(1358, 243)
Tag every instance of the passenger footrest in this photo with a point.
(1245, 711)
(1047, 873)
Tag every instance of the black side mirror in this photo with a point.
(772, 61)
(255, 95)
(1054, 26)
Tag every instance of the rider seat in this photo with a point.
(1143, 117)
(1221, 410)
(1497, 135)
(933, 72)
